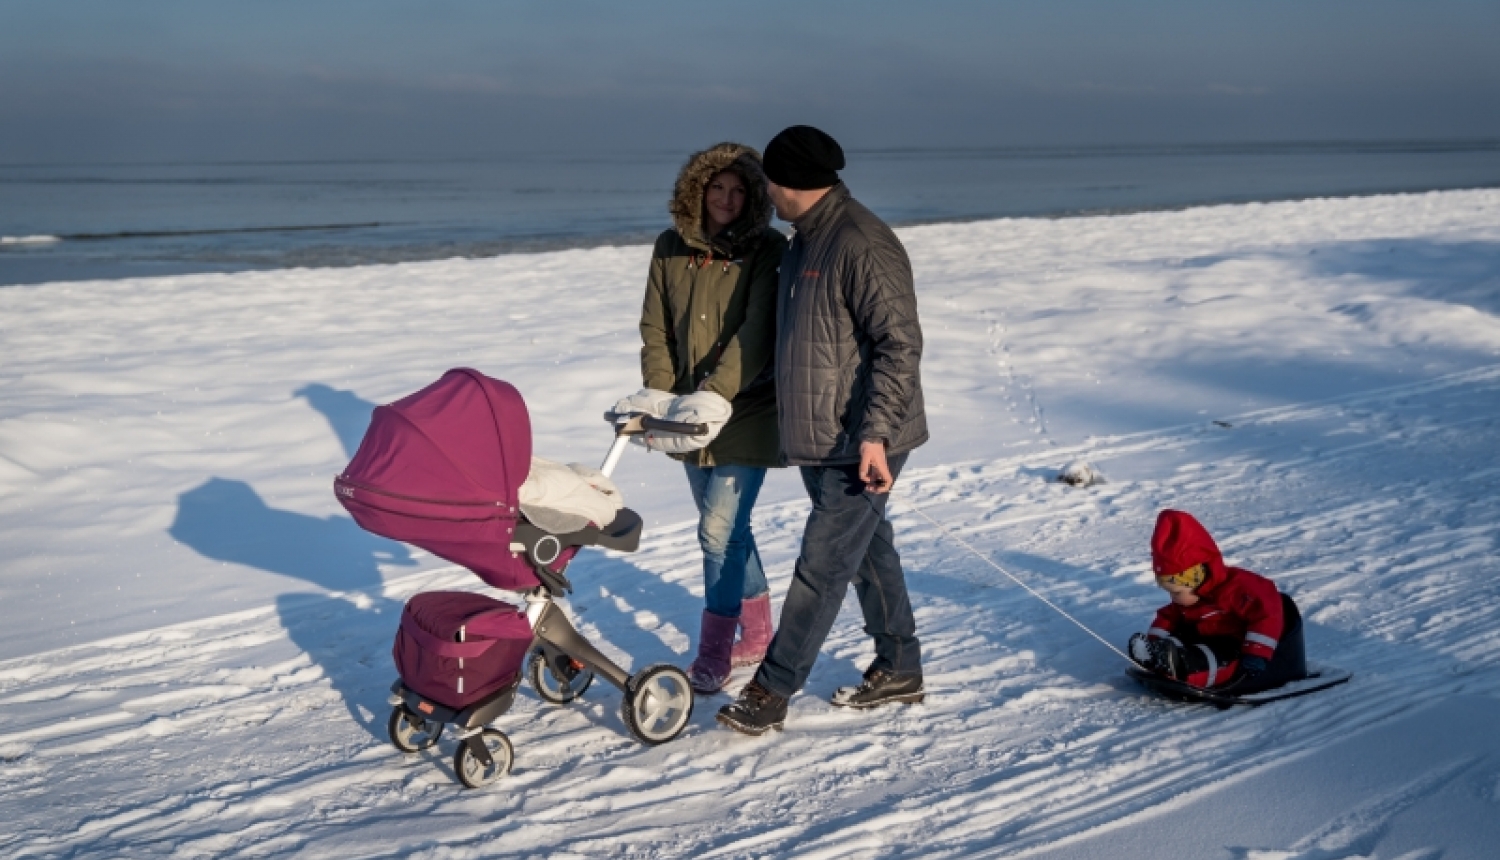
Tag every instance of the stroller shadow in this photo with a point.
(351, 642)
(228, 521)
(348, 636)
(348, 639)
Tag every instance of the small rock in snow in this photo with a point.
(1081, 473)
(14, 751)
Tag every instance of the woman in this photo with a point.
(708, 324)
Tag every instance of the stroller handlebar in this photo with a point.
(636, 423)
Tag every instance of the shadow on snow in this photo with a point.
(227, 520)
(348, 415)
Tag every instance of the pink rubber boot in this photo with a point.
(755, 632)
(710, 669)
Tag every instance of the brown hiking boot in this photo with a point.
(881, 687)
(756, 711)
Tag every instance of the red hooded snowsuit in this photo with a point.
(1232, 602)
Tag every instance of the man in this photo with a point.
(850, 400)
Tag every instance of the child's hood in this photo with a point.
(1180, 542)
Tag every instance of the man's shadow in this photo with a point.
(227, 520)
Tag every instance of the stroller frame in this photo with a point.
(657, 701)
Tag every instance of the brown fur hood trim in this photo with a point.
(686, 205)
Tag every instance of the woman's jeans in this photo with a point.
(732, 571)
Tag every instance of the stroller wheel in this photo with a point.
(410, 732)
(471, 769)
(558, 685)
(658, 703)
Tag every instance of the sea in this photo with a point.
(69, 222)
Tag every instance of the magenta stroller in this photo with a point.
(442, 469)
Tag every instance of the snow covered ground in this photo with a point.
(195, 638)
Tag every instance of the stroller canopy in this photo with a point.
(464, 440)
(442, 468)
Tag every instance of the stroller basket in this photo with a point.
(457, 647)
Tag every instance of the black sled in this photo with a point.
(1318, 678)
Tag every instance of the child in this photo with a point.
(1225, 626)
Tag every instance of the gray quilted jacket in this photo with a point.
(848, 343)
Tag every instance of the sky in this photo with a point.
(161, 80)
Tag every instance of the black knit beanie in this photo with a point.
(803, 158)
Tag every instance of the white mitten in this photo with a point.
(600, 482)
(700, 407)
(647, 400)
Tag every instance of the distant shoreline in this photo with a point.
(13, 250)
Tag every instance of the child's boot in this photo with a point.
(1159, 655)
(1168, 659)
(1140, 649)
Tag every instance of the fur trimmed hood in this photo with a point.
(686, 205)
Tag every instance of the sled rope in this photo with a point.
(1033, 592)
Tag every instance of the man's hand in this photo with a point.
(873, 469)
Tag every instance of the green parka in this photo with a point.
(709, 318)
